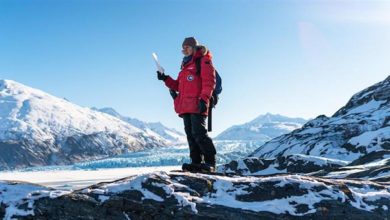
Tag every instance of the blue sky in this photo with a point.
(296, 58)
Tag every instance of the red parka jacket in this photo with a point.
(192, 86)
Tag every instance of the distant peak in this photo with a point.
(269, 117)
(269, 113)
(272, 116)
(8, 83)
(108, 110)
(5, 83)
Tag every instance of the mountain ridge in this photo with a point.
(156, 127)
(37, 128)
(353, 143)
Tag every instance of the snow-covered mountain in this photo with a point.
(37, 128)
(360, 127)
(154, 128)
(263, 128)
(353, 143)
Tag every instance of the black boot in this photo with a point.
(191, 167)
(207, 168)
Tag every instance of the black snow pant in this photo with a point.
(198, 140)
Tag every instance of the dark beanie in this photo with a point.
(190, 41)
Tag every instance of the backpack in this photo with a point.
(218, 86)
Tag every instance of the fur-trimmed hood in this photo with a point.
(201, 51)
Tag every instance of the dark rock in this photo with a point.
(269, 191)
(194, 186)
(290, 164)
(2, 209)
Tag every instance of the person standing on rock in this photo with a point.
(192, 91)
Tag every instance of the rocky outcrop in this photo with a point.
(178, 195)
(377, 170)
(296, 163)
(2, 209)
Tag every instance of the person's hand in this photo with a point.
(202, 106)
(161, 76)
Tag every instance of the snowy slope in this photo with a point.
(362, 126)
(39, 129)
(263, 128)
(154, 128)
(353, 143)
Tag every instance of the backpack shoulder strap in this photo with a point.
(198, 65)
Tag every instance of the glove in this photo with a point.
(202, 106)
(161, 76)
